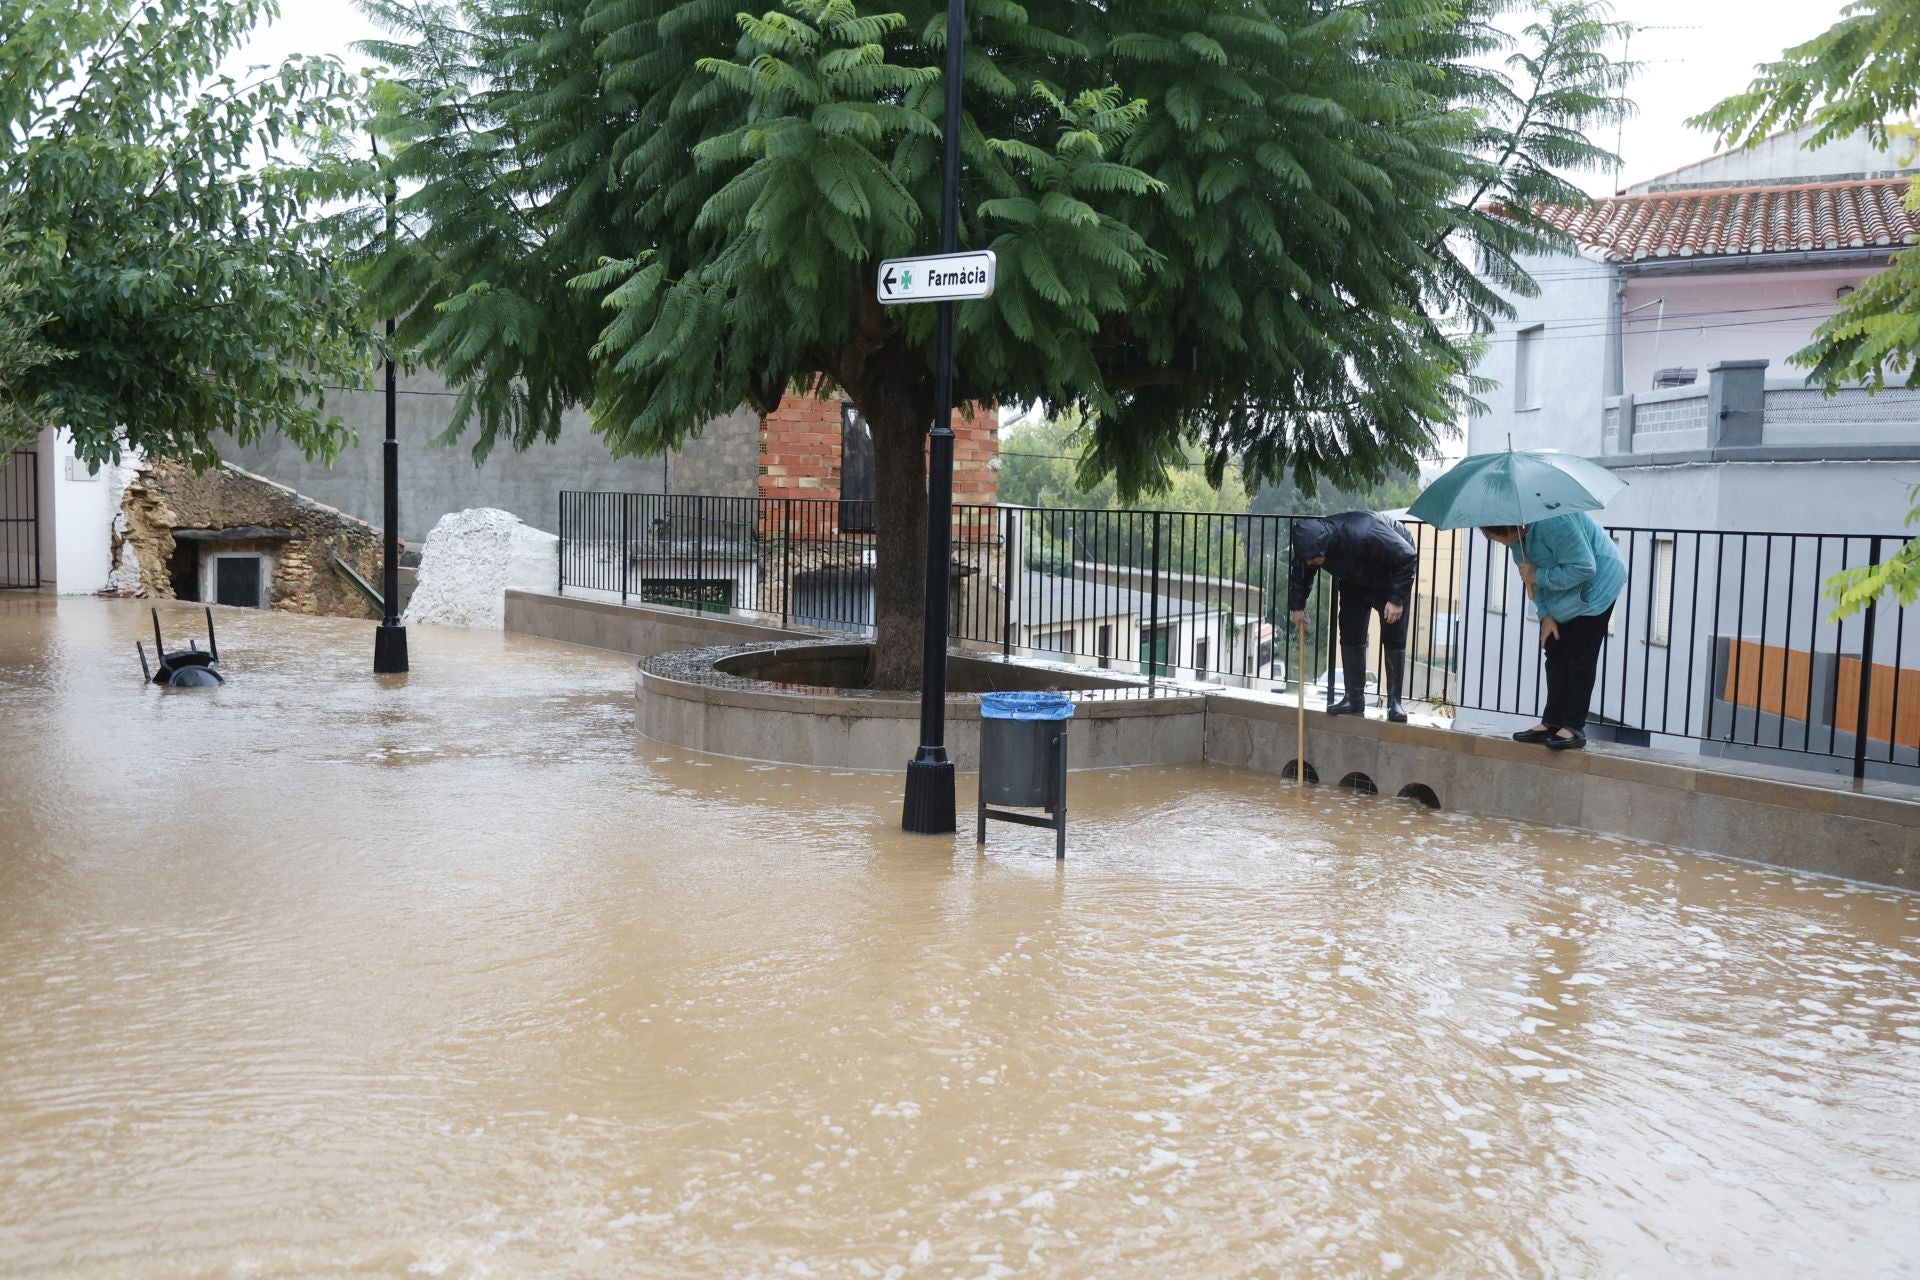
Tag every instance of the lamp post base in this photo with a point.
(389, 649)
(929, 805)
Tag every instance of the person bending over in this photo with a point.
(1373, 563)
(1574, 575)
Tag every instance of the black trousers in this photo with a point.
(1355, 605)
(1573, 660)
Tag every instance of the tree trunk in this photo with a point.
(900, 552)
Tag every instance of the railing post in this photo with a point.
(1009, 524)
(786, 557)
(626, 544)
(1866, 674)
(1153, 605)
(560, 569)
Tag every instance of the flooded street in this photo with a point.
(450, 975)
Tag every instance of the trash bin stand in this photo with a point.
(1056, 818)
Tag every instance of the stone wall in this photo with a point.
(306, 535)
(719, 462)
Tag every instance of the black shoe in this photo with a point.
(1347, 706)
(1575, 743)
(1533, 737)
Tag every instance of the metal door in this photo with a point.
(20, 520)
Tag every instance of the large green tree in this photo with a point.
(22, 349)
(163, 257)
(1265, 230)
(1860, 75)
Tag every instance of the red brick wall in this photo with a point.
(800, 451)
(977, 445)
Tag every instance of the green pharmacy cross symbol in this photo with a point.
(906, 280)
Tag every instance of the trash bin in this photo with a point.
(1019, 733)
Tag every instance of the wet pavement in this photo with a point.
(449, 975)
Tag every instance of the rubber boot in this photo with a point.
(1396, 672)
(1353, 667)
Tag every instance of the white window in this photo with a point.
(1526, 367)
(1057, 641)
(1662, 611)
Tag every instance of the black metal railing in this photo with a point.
(1161, 593)
(19, 520)
(1720, 638)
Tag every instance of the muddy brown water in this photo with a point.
(319, 975)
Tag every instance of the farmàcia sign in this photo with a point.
(940, 277)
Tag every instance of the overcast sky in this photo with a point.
(1695, 53)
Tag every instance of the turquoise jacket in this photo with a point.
(1580, 573)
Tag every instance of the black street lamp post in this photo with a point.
(390, 638)
(929, 807)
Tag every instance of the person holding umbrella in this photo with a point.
(1535, 503)
(1373, 563)
(1573, 575)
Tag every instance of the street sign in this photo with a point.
(939, 277)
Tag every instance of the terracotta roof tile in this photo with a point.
(1740, 220)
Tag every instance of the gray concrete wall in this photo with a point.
(1782, 158)
(882, 733)
(437, 479)
(642, 630)
(1758, 814)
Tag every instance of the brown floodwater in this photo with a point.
(319, 975)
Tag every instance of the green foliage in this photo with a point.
(160, 225)
(1852, 590)
(1249, 235)
(1861, 74)
(1217, 227)
(22, 350)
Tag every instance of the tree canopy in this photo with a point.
(1269, 232)
(157, 218)
(1860, 75)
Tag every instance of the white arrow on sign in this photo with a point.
(940, 277)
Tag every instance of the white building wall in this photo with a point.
(1678, 321)
(1570, 319)
(76, 519)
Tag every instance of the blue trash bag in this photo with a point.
(1026, 706)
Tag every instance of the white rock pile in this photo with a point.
(471, 559)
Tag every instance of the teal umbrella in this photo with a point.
(1514, 488)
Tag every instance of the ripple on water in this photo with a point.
(454, 976)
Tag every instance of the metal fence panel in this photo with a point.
(1720, 638)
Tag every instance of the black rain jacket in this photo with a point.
(1365, 552)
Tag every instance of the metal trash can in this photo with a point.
(1023, 760)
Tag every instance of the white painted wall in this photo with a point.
(76, 519)
(1572, 310)
(1697, 321)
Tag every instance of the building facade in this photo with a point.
(1661, 348)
